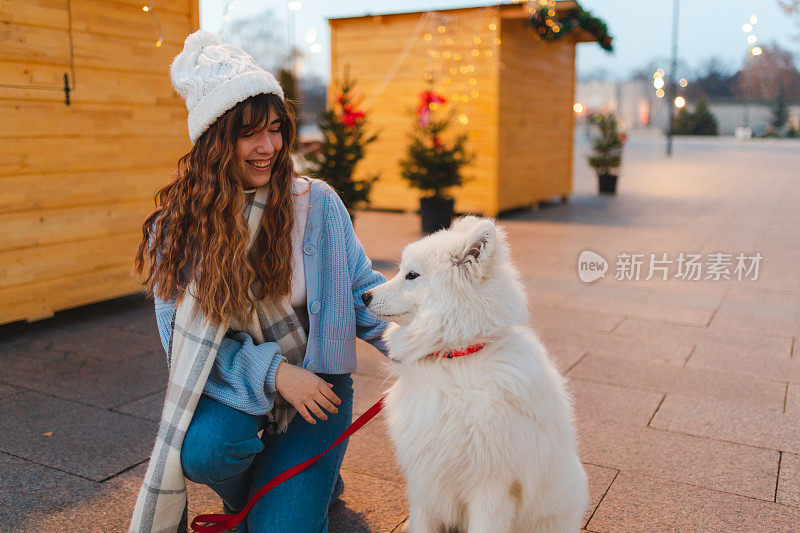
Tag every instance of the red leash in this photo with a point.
(215, 523)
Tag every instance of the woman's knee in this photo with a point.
(213, 461)
(206, 458)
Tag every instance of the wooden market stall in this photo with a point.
(512, 91)
(90, 128)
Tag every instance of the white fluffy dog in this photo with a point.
(485, 439)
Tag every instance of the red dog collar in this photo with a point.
(449, 354)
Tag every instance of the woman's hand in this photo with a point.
(305, 391)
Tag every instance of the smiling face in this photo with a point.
(258, 149)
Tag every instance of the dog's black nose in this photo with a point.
(367, 297)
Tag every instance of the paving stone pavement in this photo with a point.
(687, 393)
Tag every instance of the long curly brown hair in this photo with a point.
(198, 225)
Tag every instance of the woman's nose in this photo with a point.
(265, 145)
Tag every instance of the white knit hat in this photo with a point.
(213, 77)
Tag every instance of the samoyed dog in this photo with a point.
(479, 416)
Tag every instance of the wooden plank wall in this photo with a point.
(370, 46)
(77, 181)
(537, 84)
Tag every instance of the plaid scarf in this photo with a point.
(193, 348)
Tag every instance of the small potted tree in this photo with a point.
(344, 138)
(432, 165)
(606, 157)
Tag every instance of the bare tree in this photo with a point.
(262, 36)
(764, 75)
(792, 8)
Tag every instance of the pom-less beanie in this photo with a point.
(212, 77)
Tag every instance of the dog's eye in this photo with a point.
(412, 275)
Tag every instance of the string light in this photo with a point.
(229, 6)
(148, 8)
(454, 45)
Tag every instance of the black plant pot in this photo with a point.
(436, 213)
(607, 183)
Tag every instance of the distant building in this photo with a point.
(637, 107)
(630, 101)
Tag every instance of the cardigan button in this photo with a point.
(315, 307)
(309, 365)
(309, 248)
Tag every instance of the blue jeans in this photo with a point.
(222, 450)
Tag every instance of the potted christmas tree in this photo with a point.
(607, 155)
(433, 165)
(342, 147)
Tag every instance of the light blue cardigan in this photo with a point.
(337, 273)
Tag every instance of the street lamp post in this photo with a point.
(753, 50)
(671, 78)
(293, 5)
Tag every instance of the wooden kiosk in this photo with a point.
(90, 128)
(512, 93)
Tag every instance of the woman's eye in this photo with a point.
(412, 275)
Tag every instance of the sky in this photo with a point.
(641, 28)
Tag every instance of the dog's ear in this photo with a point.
(473, 259)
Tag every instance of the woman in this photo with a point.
(270, 264)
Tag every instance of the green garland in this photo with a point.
(558, 27)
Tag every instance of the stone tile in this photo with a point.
(707, 339)
(789, 480)
(28, 490)
(87, 441)
(733, 468)
(761, 312)
(368, 504)
(371, 362)
(149, 407)
(731, 360)
(654, 305)
(108, 506)
(113, 344)
(688, 382)
(734, 423)
(7, 390)
(119, 329)
(600, 479)
(564, 354)
(594, 401)
(545, 319)
(545, 291)
(94, 381)
(675, 353)
(371, 452)
(637, 503)
(793, 399)
(368, 390)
